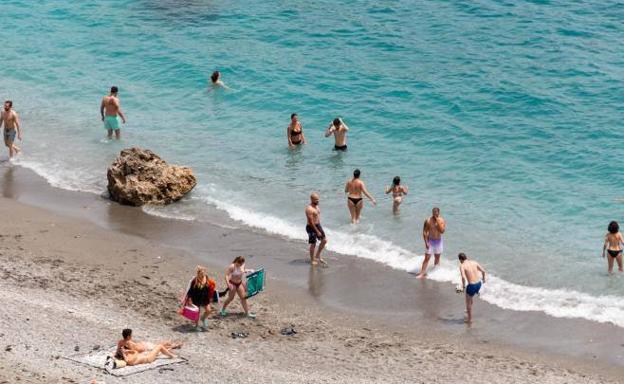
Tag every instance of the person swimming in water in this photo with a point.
(613, 246)
(215, 81)
(354, 189)
(471, 283)
(398, 191)
(294, 132)
(339, 129)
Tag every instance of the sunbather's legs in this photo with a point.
(153, 354)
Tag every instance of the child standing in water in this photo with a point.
(613, 246)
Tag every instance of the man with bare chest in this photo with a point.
(10, 120)
(433, 228)
(339, 129)
(314, 229)
(110, 109)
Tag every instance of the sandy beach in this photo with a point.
(70, 285)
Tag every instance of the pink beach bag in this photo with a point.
(191, 312)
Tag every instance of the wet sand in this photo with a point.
(68, 257)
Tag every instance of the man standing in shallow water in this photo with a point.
(110, 109)
(10, 120)
(433, 229)
(470, 270)
(339, 129)
(314, 229)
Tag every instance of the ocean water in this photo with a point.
(507, 115)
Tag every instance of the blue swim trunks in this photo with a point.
(473, 289)
(111, 122)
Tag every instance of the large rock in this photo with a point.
(138, 176)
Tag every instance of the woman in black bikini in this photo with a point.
(613, 246)
(354, 190)
(294, 132)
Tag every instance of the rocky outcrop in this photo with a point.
(139, 176)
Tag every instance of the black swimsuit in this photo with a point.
(355, 200)
(293, 134)
(614, 252)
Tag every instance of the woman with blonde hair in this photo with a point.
(235, 280)
(199, 292)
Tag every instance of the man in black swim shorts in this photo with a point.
(339, 129)
(314, 230)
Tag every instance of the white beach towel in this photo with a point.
(98, 358)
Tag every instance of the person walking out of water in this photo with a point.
(110, 109)
(339, 129)
(433, 229)
(235, 278)
(294, 132)
(613, 245)
(470, 271)
(354, 190)
(314, 230)
(10, 120)
(398, 191)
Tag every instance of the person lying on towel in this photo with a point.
(135, 353)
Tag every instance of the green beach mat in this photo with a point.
(255, 283)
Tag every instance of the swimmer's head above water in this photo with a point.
(396, 181)
(337, 122)
(114, 90)
(215, 76)
(7, 105)
(356, 174)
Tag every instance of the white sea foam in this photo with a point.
(62, 177)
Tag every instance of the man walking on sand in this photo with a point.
(339, 129)
(433, 229)
(10, 120)
(110, 109)
(314, 229)
(470, 271)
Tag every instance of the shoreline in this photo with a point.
(362, 291)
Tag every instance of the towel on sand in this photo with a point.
(98, 358)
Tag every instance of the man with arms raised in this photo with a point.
(110, 109)
(470, 271)
(10, 120)
(314, 229)
(433, 229)
(339, 129)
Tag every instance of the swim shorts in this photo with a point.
(312, 236)
(473, 289)
(111, 122)
(435, 247)
(340, 147)
(9, 135)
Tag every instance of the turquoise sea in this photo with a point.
(505, 114)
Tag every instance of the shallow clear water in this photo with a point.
(507, 115)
